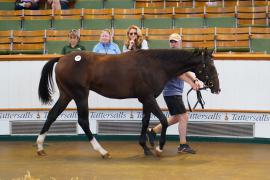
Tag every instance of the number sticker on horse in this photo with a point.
(77, 58)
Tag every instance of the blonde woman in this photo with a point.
(105, 45)
(134, 39)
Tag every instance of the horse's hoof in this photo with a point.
(106, 156)
(158, 152)
(41, 153)
(147, 152)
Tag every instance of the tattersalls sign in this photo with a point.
(230, 116)
(249, 117)
(136, 115)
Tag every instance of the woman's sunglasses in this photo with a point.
(131, 34)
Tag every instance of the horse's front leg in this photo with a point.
(162, 139)
(145, 123)
(163, 120)
(83, 115)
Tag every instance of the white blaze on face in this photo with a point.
(77, 58)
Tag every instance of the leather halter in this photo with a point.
(199, 98)
(207, 82)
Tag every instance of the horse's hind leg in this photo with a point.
(149, 105)
(145, 124)
(57, 109)
(83, 119)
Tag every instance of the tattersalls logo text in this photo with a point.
(137, 115)
(250, 117)
(201, 116)
(16, 115)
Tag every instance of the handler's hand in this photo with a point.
(196, 85)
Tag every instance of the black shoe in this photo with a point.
(184, 148)
(151, 136)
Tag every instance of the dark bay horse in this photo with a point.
(138, 74)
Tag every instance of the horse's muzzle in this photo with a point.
(216, 91)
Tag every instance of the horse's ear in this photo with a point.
(212, 51)
(208, 51)
(205, 51)
(196, 51)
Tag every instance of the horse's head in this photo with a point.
(206, 71)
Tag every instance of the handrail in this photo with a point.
(138, 109)
(27, 57)
(216, 56)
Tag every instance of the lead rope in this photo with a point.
(199, 98)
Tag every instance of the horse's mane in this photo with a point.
(167, 54)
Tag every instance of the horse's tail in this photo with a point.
(45, 88)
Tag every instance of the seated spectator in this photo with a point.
(74, 40)
(106, 46)
(59, 4)
(134, 39)
(27, 4)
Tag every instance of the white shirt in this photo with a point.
(144, 46)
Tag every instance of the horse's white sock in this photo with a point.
(158, 149)
(40, 141)
(97, 147)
